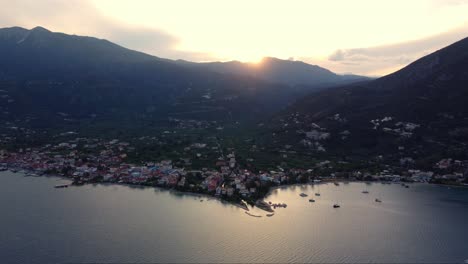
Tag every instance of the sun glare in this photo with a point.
(256, 61)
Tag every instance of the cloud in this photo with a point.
(82, 18)
(380, 60)
(338, 55)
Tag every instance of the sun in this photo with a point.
(255, 61)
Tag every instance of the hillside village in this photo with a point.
(86, 160)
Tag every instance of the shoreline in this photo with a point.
(243, 206)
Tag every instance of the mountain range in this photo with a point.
(50, 79)
(46, 73)
(281, 71)
(419, 110)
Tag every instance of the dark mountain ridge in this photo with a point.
(45, 73)
(419, 110)
(281, 71)
(431, 79)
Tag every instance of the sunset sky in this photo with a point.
(363, 37)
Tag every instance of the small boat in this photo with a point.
(378, 200)
(61, 186)
(270, 215)
(201, 200)
(312, 200)
(366, 192)
(336, 206)
(317, 194)
(317, 181)
(303, 195)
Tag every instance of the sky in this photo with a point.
(364, 37)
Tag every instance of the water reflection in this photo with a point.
(116, 223)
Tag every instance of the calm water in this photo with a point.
(109, 223)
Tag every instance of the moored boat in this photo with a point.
(318, 191)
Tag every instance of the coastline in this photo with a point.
(243, 206)
(260, 203)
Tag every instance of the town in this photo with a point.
(85, 160)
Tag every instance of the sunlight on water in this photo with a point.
(111, 223)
